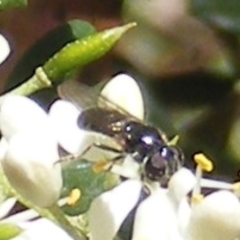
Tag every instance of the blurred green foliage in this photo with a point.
(5, 4)
(220, 13)
(190, 70)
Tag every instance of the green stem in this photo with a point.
(37, 82)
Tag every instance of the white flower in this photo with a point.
(155, 217)
(108, 211)
(29, 151)
(125, 93)
(166, 214)
(216, 217)
(4, 49)
(63, 116)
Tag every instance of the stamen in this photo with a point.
(101, 166)
(63, 201)
(74, 196)
(209, 183)
(203, 162)
(197, 188)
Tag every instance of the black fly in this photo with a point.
(146, 144)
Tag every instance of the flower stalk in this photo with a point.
(73, 55)
(37, 82)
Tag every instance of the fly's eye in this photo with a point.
(166, 152)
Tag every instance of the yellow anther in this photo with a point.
(174, 140)
(196, 199)
(101, 166)
(203, 162)
(74, 196)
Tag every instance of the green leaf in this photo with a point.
(222, 13)
(79, 53)
(5, 4)
(79, 174)
(47, 46)
(9, 231)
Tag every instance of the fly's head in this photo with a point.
(163, 163)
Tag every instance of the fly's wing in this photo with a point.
(98, 113)
(93, 119)
(106, 118)
(80, 95)
(84, 97)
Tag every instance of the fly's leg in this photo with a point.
(100, 146)
(106, 164)
(72, 157)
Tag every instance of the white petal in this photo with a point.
(4, 48)
(6, 206)
(217, 217)
(42, 229)
(156, 219)
(22, 216)
(129, 168)
(108, 211)
(19, 113)
(124, 91)
(183, 214)
(30, 166)
(63, 116)
(181, 183)
(3, 148)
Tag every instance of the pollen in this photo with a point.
(100, 166)
(74, 196)
(203, 162)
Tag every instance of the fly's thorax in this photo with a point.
(140, 139)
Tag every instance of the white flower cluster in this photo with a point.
(29, 158)
(167, 214)
(25, 161)
(29, 147)
(29, 151)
